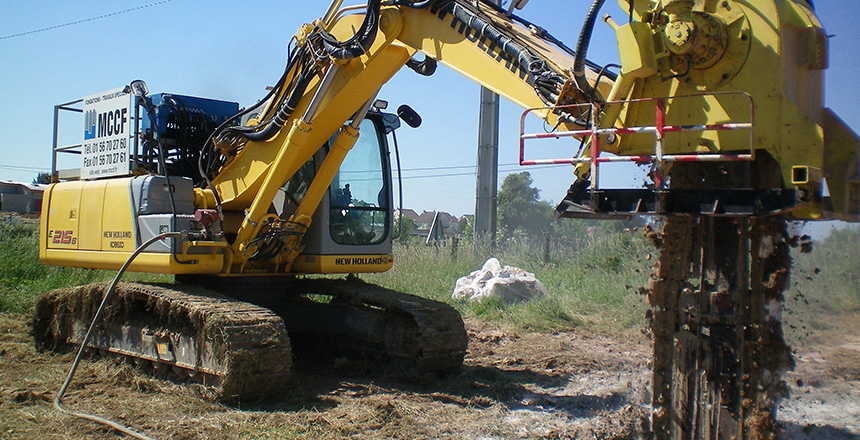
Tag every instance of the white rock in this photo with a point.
(508, 284)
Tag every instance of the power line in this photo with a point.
(84, 20)
(430, 176)
(458, 167)
(21, 168)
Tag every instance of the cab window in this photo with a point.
(359, 193)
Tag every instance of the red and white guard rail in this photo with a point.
(659, 130)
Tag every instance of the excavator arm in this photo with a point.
(328, 84)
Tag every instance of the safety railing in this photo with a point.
(69, 149)
(659, 130)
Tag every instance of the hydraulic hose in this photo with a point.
(284, 112)
(582, 48)
(58, 400)
(548, 82)
(424, 68)
(361, 41)
(412, 4)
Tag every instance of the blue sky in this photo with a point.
(233, 50)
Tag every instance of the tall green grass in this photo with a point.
(23, 277)
(592, 285)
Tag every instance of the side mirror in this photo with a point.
(409, 116)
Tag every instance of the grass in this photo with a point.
(591, 286)
(23, 277)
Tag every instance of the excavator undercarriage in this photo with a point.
(244, 351)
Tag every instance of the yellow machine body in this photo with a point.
(743, 61)
(91, 224)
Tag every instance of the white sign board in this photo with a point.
(108, 131)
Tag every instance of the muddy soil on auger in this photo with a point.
(718, 346)
(715, 297)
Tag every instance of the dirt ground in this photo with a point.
(514, 385)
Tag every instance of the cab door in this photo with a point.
(351, 230)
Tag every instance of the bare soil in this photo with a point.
(514, 384)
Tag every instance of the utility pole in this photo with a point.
(488, 166)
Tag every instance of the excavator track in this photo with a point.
(241, 350)
(352, 318)
(421, 333)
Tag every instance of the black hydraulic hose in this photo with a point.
(582, 48)
(411, 4)
(361, 41)
(604, 72)
(399, 185)
(424, 68)
(284, 112)
(150, 111)
(58, 400)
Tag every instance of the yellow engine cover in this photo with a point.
(92, 224)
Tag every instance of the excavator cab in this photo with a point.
(351, 229)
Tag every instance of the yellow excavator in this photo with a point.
(721, 100)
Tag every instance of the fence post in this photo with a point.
(546, 248)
